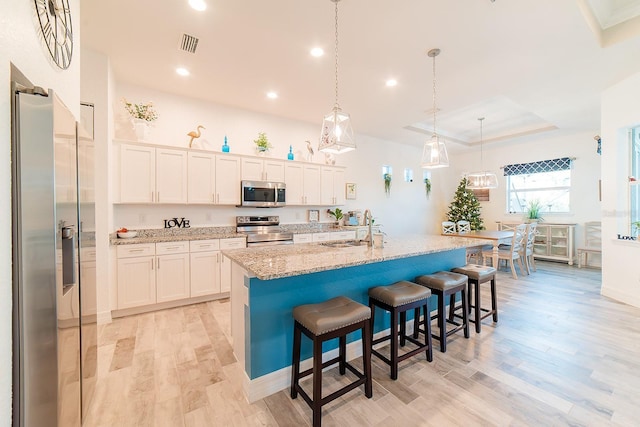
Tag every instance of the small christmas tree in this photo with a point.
(465, 206)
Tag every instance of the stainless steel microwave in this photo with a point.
(263, 194)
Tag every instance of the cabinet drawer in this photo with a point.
(344, 235)
(172, 247)
(234, 243)
(130, 251)
(204, 245)
(322, 237)
(88, 254)
(302, 238)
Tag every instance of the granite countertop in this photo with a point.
(273, 262)
(176, 235)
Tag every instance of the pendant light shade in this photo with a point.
(434, 153)
(336, 136)
(483, 179)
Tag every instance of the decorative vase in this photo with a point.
(262, 151)
(141, 127)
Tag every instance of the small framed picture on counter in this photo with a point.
(350, 191)
(314, 215)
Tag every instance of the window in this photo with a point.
(548, 182)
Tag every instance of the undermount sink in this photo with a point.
(344, 244)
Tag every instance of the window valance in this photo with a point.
(553, 165)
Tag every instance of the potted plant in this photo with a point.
(533, 211)
(337, 214)
(262, 143)
(387, 183)
(141, 115)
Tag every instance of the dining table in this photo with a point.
(496, 238)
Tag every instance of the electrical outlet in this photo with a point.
(297, 215)
(142, 218)
(209, 217)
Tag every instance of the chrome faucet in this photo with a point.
(368, 220)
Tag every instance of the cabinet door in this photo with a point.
(227, 180)
(225, 274)
(201, 179)
(302, 238)
(171, 176)
(311, 185)
(339, 187)
(274, 170)
(136, 282)
(252, 169)
(293, 178)
(205, 273)
(326, 187)
(137, 174)
(172, 277)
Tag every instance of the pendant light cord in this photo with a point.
(336, 52)
(434, 95)
(481, 159)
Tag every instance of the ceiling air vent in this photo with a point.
(189, 43)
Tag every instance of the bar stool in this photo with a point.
(334, 318)
(397, 299)
(476, 275)
(444, 284)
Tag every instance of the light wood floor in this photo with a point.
(560, 354)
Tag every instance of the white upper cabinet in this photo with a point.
(202, 177)
(137, 174)
(255, 169)
(312, 185)
(303, 184)
(171, 176)
(332, 186)
(227, 179)
(152, 175)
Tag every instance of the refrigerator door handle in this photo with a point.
(69, 278)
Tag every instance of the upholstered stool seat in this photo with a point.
(397, 299)
(334, 318)
(477, 274)
(444, 284)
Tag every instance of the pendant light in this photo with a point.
(434, 153)
(483, 179)
(336, 136)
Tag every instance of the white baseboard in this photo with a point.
(104, 317)
(273, 382)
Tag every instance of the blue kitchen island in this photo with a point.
(268, 282)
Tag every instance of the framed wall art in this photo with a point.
(350, 191)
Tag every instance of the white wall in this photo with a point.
(620, 111)
(585, 174)
(20, 45)
(95, 88)
(406, 210)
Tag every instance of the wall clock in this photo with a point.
(56, 30)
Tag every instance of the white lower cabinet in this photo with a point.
(170, 271)
(302, 238)
(205, 267)
(136, 275)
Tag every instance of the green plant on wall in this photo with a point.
(636, 227)
(427, 186)
(387, 183)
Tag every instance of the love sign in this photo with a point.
(176, 222)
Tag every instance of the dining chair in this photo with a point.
(463, 226)
(527, 250)
(514, 253)
(592, 242)
(448, 227)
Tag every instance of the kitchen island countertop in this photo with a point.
(274, 262)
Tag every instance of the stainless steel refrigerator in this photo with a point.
(54, 318)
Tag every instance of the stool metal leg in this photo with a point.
(442, 322)
(394, 344)
(478, 316)
(342, 353)
(403, 328)
(494, 299)
(427, 329)
(465, 312)
(367, 333)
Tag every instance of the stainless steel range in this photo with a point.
(263, 230)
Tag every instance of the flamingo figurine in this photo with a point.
(195, 134)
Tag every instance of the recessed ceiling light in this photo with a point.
(272, 95)
(198, 5)
(317, 52)
(392, 82)
(182, 71)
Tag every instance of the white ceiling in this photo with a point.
(527, 66)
